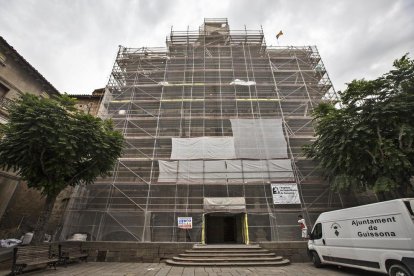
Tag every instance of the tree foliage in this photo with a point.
(51, 145)
(365, 141)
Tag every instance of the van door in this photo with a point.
(319, 240)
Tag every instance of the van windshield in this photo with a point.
(410, 206)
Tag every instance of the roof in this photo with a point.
(97, 93)
(84, 96)
(50, 88)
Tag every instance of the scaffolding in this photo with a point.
(216, 113)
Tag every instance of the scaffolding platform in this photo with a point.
(204, 87)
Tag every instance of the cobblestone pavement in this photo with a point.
(161, 269)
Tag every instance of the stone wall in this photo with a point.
(56, 217)
(295, 251)
(22, 212)
(134, 252)
(8, 184)
(87, 104)
(24, 208)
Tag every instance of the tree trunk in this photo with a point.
(40, 229)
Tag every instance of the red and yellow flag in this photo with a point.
(279, 34)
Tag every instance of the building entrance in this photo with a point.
(224, 228)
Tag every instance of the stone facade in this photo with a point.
(89, 103)
(204, 87)
(295, 251)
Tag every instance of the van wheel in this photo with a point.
(316, 260)
(398, 270)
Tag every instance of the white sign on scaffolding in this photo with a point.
(185, 222)
(287, 193)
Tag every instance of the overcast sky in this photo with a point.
(73, 43)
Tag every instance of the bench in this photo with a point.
(72, 251)
(25, 256)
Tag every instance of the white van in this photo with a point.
(377, 237)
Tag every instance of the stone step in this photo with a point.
(210, 254)
(226, 251)
(229, 259)
(229, 246)
(227, 255)
(274, 263)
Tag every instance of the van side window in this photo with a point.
(317, 231)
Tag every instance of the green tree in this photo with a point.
(365, 141)
(51, 145)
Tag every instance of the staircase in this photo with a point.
(228, 255)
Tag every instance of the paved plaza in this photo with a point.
(161, 269)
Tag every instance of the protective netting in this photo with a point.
(232, 171)
(207, 117)
(259, 138)
(203, 148)
(253, 138)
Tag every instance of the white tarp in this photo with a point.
(285, 193)
(190, 171)
(254, 170)
(265, 139)
(168, 171)
(235, 171)
(242, 82)
(203, 148)
(215, 171)
(225, 204)
(280, 168)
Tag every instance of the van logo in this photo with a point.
(336, 226)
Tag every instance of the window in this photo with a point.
(2, 59)
(3, 90)
(44, 95)
(317, 231)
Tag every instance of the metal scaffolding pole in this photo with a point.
(197, 91)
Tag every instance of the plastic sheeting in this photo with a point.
(265, 140)
(203, 148)
(168, 171)
(256, 170)
(190, 170)
(216, 171)
(242, 82)
(233, 205)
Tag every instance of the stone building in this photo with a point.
(19, 206)
(214, 125)
(89, 103)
